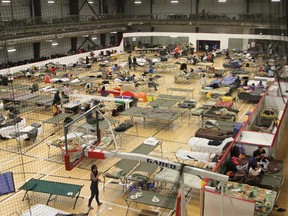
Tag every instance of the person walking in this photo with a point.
(94, 177)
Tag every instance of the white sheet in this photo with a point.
(204, 157)
(201, 145)
(170, 176)
(25, 130)
(6, 131)
(40, 209)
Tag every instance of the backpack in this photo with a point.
(115, 112)
(67, 120)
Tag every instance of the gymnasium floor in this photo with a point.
(27, 160)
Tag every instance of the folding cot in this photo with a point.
(52, 188)
(125, 166)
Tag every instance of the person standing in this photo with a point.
(94, 177)
(134, 62)
(206, 48)
(57, 99)
(130, 61)
(177, 52)
(203, 81)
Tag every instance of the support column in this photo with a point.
(37, 8)
(120, 6)
(103, 40)
(74, 11)
(74, 7)
(247, 10)
(74, 44)
(119, 38)
(36, 50)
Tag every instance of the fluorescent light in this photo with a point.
(174, 1)
(114, 32)
(90, 2)
(6, 1)
(174, 36)
(94, 38)
(51, 2)
(11, 50)
(275, 0)
(222, 1)
(54, 44)
(137, 2)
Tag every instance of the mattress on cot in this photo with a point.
(201, 145)
(172, 176)
(6, 131)
(29, 132)
(213, 134)
(204, 159)
(40, 209)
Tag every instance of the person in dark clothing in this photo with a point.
(260, 153)
(130, 61)
(57, 98)
(252, 160)
(152, 84)
(134, 62)
(245, 83)
(94, 177)
(103, 91)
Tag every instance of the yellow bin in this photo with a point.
(227, 99)
(150, 97)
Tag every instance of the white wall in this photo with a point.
(213, 203)
(62, 60)
(193, 37)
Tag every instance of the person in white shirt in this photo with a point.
(255, 170)
(67, 90)
(203, 81)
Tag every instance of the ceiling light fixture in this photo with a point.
(275, 0)
(137, 2)
(90, 2)
(51, 2)
(11, 50)
(174, 1)
(114, 32)
(54, 44)
(6, 1)
(222, 1)
(94, 38)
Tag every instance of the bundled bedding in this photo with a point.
(213, 134)
(202, 145)
(11, 126)
(197, 159)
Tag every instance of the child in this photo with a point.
(55, 109)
